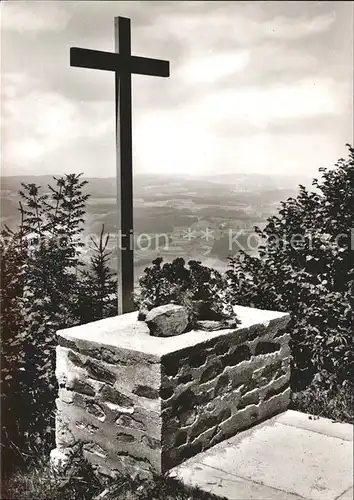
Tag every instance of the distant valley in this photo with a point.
(192, 217)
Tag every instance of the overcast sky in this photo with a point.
(255, 87)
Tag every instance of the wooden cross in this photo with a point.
(124, 65)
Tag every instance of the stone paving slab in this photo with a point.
(347, 495)
(321, 425)
(227, 485)
(286, 457)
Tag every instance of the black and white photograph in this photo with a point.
(177, 250)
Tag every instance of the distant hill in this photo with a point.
(252, 182)
(172, 205)
(106, 186)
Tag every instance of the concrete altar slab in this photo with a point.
(126, 332)
(134, 403)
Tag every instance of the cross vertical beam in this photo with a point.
(124, 65)
(124, 161)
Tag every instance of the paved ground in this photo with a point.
(289, 457)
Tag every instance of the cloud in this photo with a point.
(165, 143)
(213, 67)
(239, 27)
(277, 57)
(240, 71)
(25, 16)
(301, 99)
(253, 128)
(38, 123)
(291, 29)
(14, 84)
(254, 107)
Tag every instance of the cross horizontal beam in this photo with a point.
(111, 61)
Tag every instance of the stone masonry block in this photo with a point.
(137, 404)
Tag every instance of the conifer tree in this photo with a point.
(44, 288)
(98, 287)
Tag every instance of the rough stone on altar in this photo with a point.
(167, 321)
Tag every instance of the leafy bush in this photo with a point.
(202, 290)
(306, 267)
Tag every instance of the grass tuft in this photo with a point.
(337, 405)
(40, 482)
